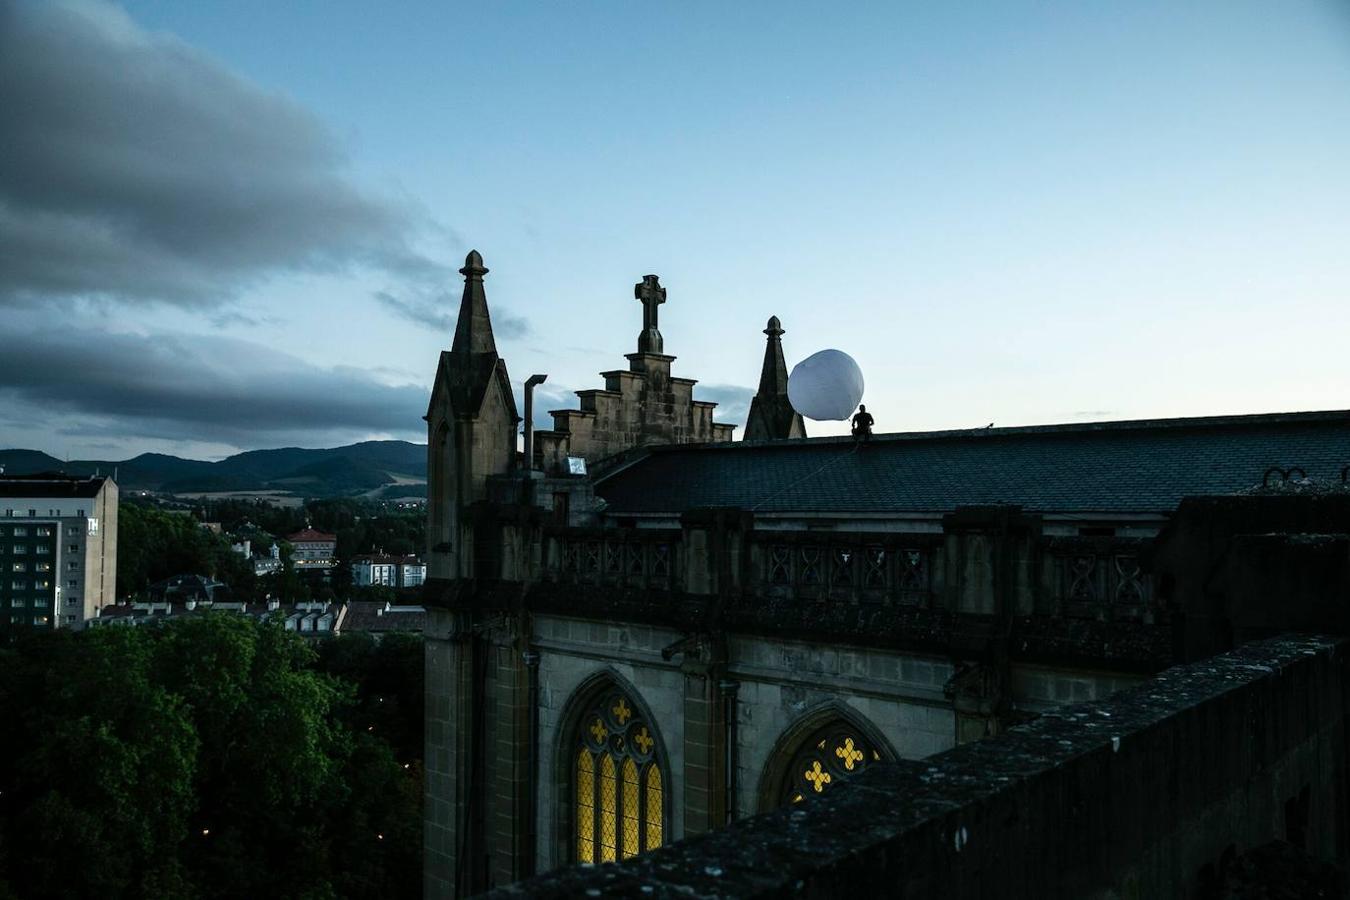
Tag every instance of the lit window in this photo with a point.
(42, 566)
(43, 531)
(20, 567)
(619, 808)
(832, 754)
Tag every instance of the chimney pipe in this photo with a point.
(530, 384)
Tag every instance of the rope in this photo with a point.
(826, 465)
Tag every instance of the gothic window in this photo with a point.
(620, 798)
(832, 754)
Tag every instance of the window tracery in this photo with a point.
(619, 799)
(830, 755)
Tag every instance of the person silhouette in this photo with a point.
(862, 424)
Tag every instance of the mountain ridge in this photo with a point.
(365, 467)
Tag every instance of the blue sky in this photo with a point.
(1012, 212)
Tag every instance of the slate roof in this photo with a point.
(375, 616)
(1143, 466)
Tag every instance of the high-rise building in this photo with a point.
(58, 549)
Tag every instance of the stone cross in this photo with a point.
(652, 295)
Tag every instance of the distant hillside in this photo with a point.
(339, 471)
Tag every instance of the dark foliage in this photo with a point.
(214, 757)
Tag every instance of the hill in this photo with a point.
(326, 472)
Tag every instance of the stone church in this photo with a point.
(686, 631)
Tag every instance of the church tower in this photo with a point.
(771, 414)
(471, 428)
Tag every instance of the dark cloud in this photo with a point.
(134, 167)
(733, 401)
(201, 388)
(438, 310)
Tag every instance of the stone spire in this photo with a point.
(473, 332)
(771, 414)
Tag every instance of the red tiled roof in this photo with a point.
(309, 535)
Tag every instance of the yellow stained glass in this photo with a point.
(630, 808)
(848, 753)
(653, 808)
(585, 807)
(608, 810)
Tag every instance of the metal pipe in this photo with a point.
(729, 689)
(531, 659)
(530, 384)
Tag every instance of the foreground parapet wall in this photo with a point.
(1133, 796)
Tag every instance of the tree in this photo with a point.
(210, 757)
(100, 762)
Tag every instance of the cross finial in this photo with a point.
(652, 295)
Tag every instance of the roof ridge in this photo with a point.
(1114, 425)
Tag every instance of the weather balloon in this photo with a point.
(826, 386)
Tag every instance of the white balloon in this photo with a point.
(826, 386)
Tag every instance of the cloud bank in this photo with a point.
(210, 389)
(138, 169)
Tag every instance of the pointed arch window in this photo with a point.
(830, 755)
(619, 808)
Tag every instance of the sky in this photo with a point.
(229, 226)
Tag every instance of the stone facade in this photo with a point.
(641, 405)
(741, 633)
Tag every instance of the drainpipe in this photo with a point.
(531, 658)
(530, 384)
(729, 689)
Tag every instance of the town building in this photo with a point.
(310, 618)
(380, 618)
(368, 571)
(714, 631)
(58, 549)
(388, 571)
(269, 563)
(412, 572)
(313, 551)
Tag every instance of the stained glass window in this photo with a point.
(832, 754)
(619, 807)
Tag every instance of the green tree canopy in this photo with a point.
(210, 757)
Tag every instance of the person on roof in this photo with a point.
(862, 424)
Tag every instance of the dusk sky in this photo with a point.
(237, 225)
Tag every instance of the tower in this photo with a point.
(771, 414)
(471, 428)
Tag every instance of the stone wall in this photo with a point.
(785, 684)
(573, 655)
(1142, 795)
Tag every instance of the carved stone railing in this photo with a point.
(850, 568)
(1096, 578)
(627, 557)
